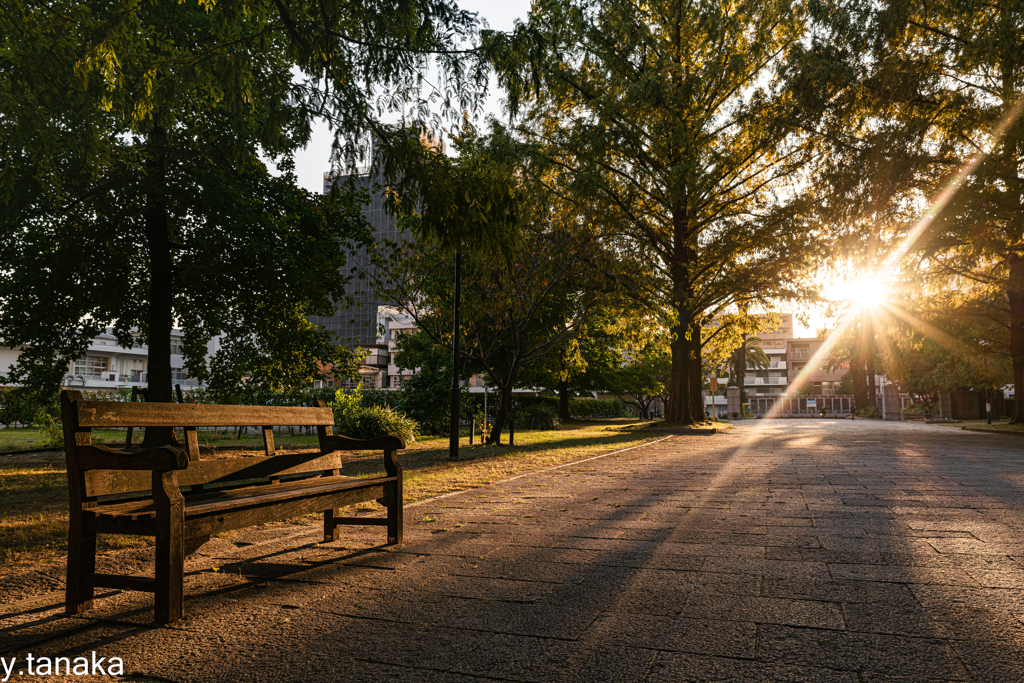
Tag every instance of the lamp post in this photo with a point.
(453, 441)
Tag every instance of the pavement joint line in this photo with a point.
(543, 469)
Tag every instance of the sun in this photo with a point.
(867, 292)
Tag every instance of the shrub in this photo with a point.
(923, 408)
(352, 418)
(537, 417)
(369, 423)
(385, 398)
(51, 426)
(868, 412)
(18, 404)
(595, 408)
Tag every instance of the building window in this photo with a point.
(801, 353)
(177, 347)
(91, 366)
(179, 374)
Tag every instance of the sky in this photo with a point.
(312, 162)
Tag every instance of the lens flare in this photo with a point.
(868, 292)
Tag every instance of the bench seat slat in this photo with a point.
(220, 501)
(112, 414)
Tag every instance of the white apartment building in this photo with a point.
(774, 379)
(108, 365)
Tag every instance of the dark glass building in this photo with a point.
(357, 325)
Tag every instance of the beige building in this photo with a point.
(793, 363)
(774, 379)
(809, 366)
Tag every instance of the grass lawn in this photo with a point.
(1003, 426)
(23, 438)
(34, 496)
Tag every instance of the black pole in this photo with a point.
(511, 431)
(453, 442)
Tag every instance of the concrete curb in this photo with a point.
(992, 431)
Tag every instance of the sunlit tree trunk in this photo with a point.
(1015, 294)
(504, 408)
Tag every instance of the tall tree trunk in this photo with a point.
(161, 266)
(696, 382)
(563, 399)
(858, 376)
(869, 383)
(685, 387)
(680, 407)
(1012, 152)
(504, 408)
(1015, 294)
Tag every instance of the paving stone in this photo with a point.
(671, 667)
(839, 591)
(542, 660)
(386, 642)
(489, 589)
(677, 634)
(879, 653)
(765, 610)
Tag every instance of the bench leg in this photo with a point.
(170, 548)
(170, 575)
(331, 531)
(393, 503)
(81, 565)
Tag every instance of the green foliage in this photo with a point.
(345, 405)
(515, 312)
(426, 395)
(669, 118)
(871, 411)
(948, 341)
(922, 104)
(469, 202)
(353, 419)
(628, 357)
(925, 408)
(134, 189)
(537, 416)
(368, 423)
(583, 408)
(18, 404)
(385, 398)
(51, 426)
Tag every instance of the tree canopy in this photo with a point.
(918, 106)
(671, 116)
(134, 190)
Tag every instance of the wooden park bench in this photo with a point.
(172, 494)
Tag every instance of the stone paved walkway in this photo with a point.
(780, 551)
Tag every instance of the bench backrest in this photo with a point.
(81, 416)
(114, 414)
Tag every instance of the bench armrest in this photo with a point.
(163, 459)
(381, 443)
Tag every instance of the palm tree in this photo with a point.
(855, 348)
(748, 354)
